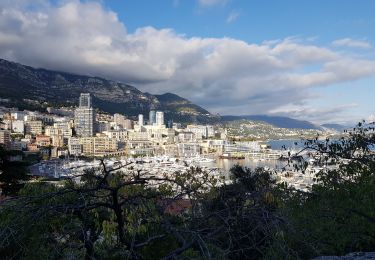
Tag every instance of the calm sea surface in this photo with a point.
(288, 143)
(227, 164)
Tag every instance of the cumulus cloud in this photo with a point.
(233, 15)
(225, 75)
(348, 42)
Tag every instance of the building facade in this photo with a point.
(84, 116)
(152, 117)
(5, 138)
(34, 127)
(140, 120)
(159, 118)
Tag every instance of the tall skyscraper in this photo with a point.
(84, 116)
(85, 100)
(159, 118)
(152, 117)
(140, 120)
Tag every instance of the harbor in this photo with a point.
(61, 169)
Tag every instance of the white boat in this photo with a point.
(205, 160)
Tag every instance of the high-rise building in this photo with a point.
(159, 118)
(85, 100)
(152, 117)
(84, 116)
(140, 120)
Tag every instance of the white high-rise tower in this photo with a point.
(140, 120)
(84, 116)
(85, 100)
(159, 118)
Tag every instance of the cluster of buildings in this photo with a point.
(83, 132)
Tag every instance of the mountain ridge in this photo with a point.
(278, 121)
(337, 127)
(19, 82)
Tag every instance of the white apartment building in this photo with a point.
(98, 145)
(18, 115)
(201, 131)
(65, 127)
(213, 146)
(119, 135)
(188, 149)
(74, 146)
(18, 126)
(186, 137)
(122, 121)
(137, 136)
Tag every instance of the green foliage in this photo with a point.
(245, 212)
(29, 223)
(11, 172)
(338, 216)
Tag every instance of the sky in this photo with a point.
(311, 60)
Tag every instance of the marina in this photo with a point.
(164, 165)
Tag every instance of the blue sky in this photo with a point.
(256, 21)
(312, 60)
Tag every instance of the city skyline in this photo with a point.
(312, 61)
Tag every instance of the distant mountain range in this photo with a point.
(33, 88)
(19, 83)
(278, 121)
(336, 127)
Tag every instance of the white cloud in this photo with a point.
(348, 42)
(233, 15)
(224, 75)
(319, 115)
(209, 3)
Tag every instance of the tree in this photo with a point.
(112, 212)
(338, 215)
(12, 173)
(241, 215)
